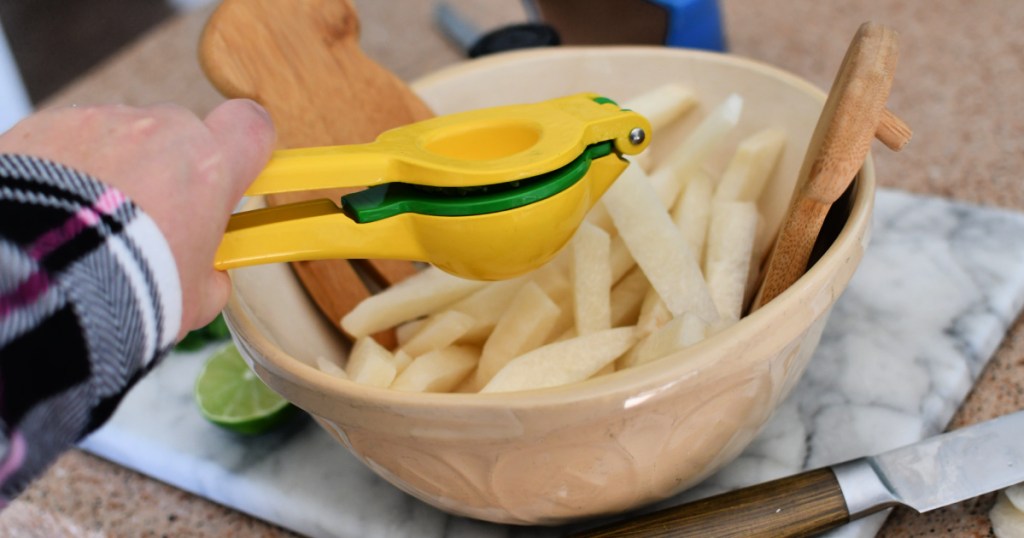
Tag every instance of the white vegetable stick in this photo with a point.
(751, 166)
(485, 307)
(560, 292)
(666, 185)
(658, 246)
(329, 367)
(423, 293)
(693, 212)
(554, 278)
(730, 245)
(467, 385)
(1016, 496)
(598, 216)
(591, 279)
(620, 259)
(1007, 520)
(563, 362)
(407, 330)
(438, 371)
(401, 360)
(627, 296)
(524, 326)
(566, 335)
(693, 330)
(691, 215)
(676, 335)
(690, 155)
(653, 314)
(441, 330)
(663, 104)
(370, 363)
(563, 328)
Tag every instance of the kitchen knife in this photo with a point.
(936, 472)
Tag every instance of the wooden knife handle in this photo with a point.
(802, 505)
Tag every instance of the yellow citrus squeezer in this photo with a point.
(485, 194)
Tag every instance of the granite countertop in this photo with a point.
(958, 85)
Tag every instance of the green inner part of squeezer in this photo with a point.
(390, 199)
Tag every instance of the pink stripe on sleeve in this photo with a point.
(28, 292)
(107, 203)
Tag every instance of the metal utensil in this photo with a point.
(936, 472)
(476, 43)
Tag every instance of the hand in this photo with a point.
(187, 174)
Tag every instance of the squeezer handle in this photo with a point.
(313, 230)
(466, 149)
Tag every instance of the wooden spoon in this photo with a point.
(854, 112)
(302, 61)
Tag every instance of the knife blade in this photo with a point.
(936, 472)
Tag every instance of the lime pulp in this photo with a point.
(230, 395)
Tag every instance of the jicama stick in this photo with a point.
(524, 326)
(658, 246)
(485, 307)
(693, 212)
(676, 335)
(370, 364)
(730, 245)
(627, 296)
(591, 279)
(691, 215)
(751, 166)
(438, 371)
(329, 367)
(563, 362)
(441, 330)
(690, 156)
(661, 106)
(423, 293)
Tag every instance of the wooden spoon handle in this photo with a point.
(802, 505)
(838, 148)
(892, 131)
(302, 61)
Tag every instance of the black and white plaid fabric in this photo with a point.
(89, 300)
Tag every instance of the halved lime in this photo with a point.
(231, 396)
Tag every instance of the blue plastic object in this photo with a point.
(694, 24)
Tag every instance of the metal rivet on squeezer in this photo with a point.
(637, 136)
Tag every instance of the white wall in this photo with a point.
(14, 102)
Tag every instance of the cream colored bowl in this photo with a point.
(612, 443)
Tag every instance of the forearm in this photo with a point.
(89, 299)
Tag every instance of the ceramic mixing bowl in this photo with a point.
(611, 443)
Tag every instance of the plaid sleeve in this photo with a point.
(89, 300)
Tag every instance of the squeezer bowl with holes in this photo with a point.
(612, 443)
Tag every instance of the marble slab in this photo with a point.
(938, 287)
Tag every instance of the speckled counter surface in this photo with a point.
(959, 84)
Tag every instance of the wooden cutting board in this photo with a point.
(301, 60)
